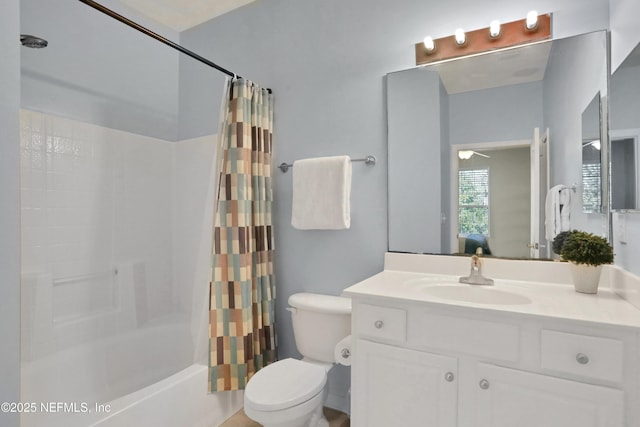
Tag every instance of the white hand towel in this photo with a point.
(565, 209)
(552, 212)
(557, 211)
(321, 193)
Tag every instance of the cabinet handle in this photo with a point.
(484, 384)
(582, 358)
(449, 376)
(378, 324)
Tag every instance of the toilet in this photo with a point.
(291, 392)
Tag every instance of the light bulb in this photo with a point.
(596, 144)
(494, 29)
(461, 38)
(429, 44)
(532, 20)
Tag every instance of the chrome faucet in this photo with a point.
(475, 276)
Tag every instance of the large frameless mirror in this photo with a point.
(592, 157)
(624, 133)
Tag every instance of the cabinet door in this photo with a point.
(392, 386)
(508, 398)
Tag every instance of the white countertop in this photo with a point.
(536, 298)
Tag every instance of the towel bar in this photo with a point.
(369, 160)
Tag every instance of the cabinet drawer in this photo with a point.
(587, 356)
(482, 338)
(388, 324)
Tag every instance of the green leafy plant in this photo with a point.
(581, 247)
(558, 241)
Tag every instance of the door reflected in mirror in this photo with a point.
(494, 201)
(624, 180)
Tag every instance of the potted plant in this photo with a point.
(587, 253)
(558, 241)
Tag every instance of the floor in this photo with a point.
(336, 419)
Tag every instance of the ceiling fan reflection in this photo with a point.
(466, 154)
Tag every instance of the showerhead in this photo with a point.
(33, 41)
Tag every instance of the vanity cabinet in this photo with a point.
(404, 387)
(509, 397)
(444, 366)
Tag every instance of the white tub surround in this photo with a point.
(528, 351)
(116, 240)
(178, 400)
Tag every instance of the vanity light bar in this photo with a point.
(497, 36)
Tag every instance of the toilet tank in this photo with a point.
(319, 322)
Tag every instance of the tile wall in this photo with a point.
(114, 257)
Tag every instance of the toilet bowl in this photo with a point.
(291, 392)
(288, 393)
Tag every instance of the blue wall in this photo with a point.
(326, 63)
(625, 32)
(498, 114)
(415, 136)
(566, 95)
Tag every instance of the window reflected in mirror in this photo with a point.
(473, 202)
(591, 181)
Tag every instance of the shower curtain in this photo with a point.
(242, 335)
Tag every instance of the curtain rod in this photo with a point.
(158, 37)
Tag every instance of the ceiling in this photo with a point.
(181, 15)
(522, 64)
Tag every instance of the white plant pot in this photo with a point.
(585, 277)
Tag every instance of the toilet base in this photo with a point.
(307, 414)
(319, 420)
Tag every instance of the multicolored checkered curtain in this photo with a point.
(242, 336)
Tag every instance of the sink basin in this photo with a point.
(449, 289)
(421, 282)
(476, 294)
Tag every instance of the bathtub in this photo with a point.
(142, 376)
(180, 400)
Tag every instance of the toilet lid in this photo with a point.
(284, 384)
